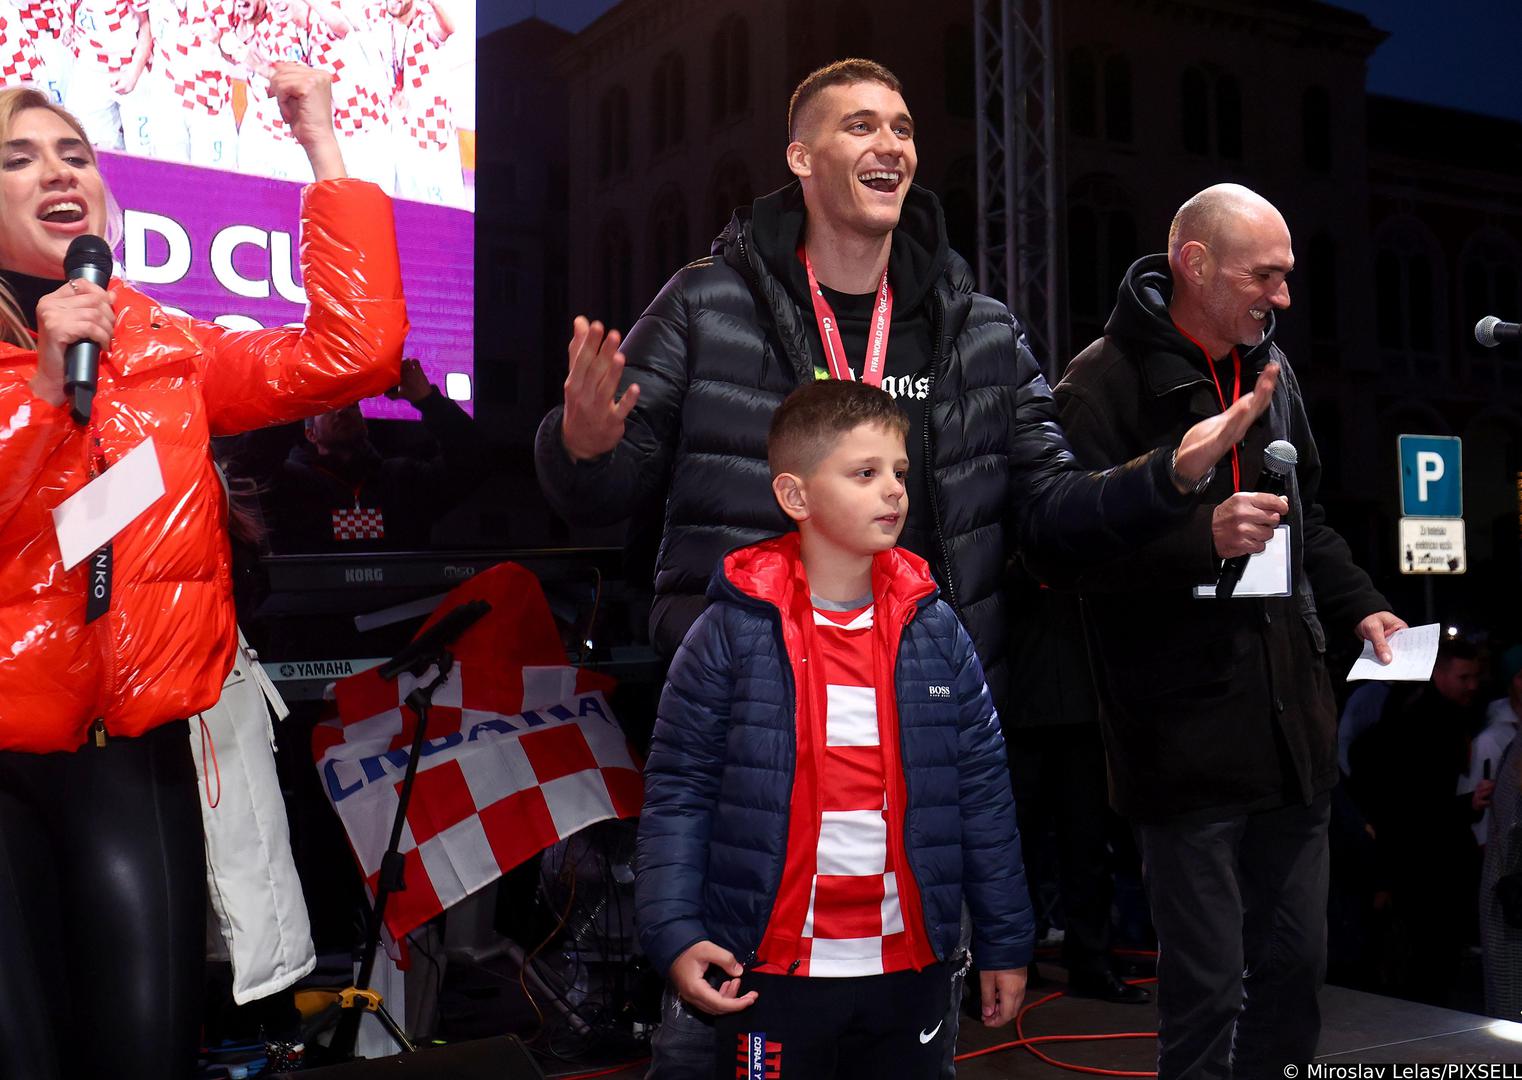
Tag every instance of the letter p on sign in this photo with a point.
(1429, 470)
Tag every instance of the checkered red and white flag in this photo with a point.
(522, 751)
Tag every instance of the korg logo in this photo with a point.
(940, 691)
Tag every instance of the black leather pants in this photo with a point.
(102, 910)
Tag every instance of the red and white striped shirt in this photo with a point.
(104, 32)
(838, 912)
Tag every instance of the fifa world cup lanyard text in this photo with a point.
(829, 329)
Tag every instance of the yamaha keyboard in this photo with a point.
(331, 615)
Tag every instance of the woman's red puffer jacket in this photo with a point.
(163, 649)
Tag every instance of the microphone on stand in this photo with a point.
(1279, 460)
(1491, 331)
(88, 259)
(431, 643)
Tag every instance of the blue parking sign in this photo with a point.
(1431, 476)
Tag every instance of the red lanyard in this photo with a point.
(829, 329)
(1236, 392)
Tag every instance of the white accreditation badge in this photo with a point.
(88, 519)
(1267, 573)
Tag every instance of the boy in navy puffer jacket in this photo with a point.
(826, 781)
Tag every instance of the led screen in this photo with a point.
(175, 96)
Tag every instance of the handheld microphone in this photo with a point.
(1279, 460)
(1491, 331)
(427, 647)
(88, 259)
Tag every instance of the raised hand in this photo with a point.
(593, 420)
(1210, 440)
(305, 97)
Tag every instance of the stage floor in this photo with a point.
(1357, 1028)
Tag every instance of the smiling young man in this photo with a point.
(1218, 716)
(845, 273)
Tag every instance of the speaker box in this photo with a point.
(501, 1058)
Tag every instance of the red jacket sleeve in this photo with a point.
(30, 430)
(350, 344)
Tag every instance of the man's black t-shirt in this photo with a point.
(906, 376)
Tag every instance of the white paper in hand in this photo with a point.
(1413, 651)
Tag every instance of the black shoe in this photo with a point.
(1106, 987)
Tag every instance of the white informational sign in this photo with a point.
(1432, 545)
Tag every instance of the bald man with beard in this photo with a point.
(1218, 715)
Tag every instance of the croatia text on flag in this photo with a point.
(519, 755)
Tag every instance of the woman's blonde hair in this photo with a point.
(13, 321)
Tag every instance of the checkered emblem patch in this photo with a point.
(360, 523)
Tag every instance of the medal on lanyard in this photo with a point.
(829, 329)
(1236, 393)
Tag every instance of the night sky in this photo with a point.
(1458, 53)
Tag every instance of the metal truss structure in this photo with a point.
(1015, 73)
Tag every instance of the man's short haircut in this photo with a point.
(1456, 648)
(840, 73)
(812, 419)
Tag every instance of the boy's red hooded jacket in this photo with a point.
(719, 778)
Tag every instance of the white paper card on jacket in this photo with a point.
(1413, 652)
(1267, 572)
(108, 504)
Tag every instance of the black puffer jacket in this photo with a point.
(725, 342)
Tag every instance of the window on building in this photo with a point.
(613, 133)
(1407, 265)
(1117, 98)
(959, 204)
(507, 277)
(1098, 95)
(668, 102)
(617, 284)
(1101, 246)
(1194, 94)
(668, 234)
(1228, 117)
(1316, 128)
(731, 188)
(1488, 280)
(1082, 110)
(959, 72)
(1320, 277)
(853, 30)
(729, 84)
(1211, 113)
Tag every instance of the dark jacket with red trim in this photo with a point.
(719, 778)
(1207, 706)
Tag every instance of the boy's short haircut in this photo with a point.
(840, 73)
(811, 420)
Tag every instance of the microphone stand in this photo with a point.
(357, 999)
